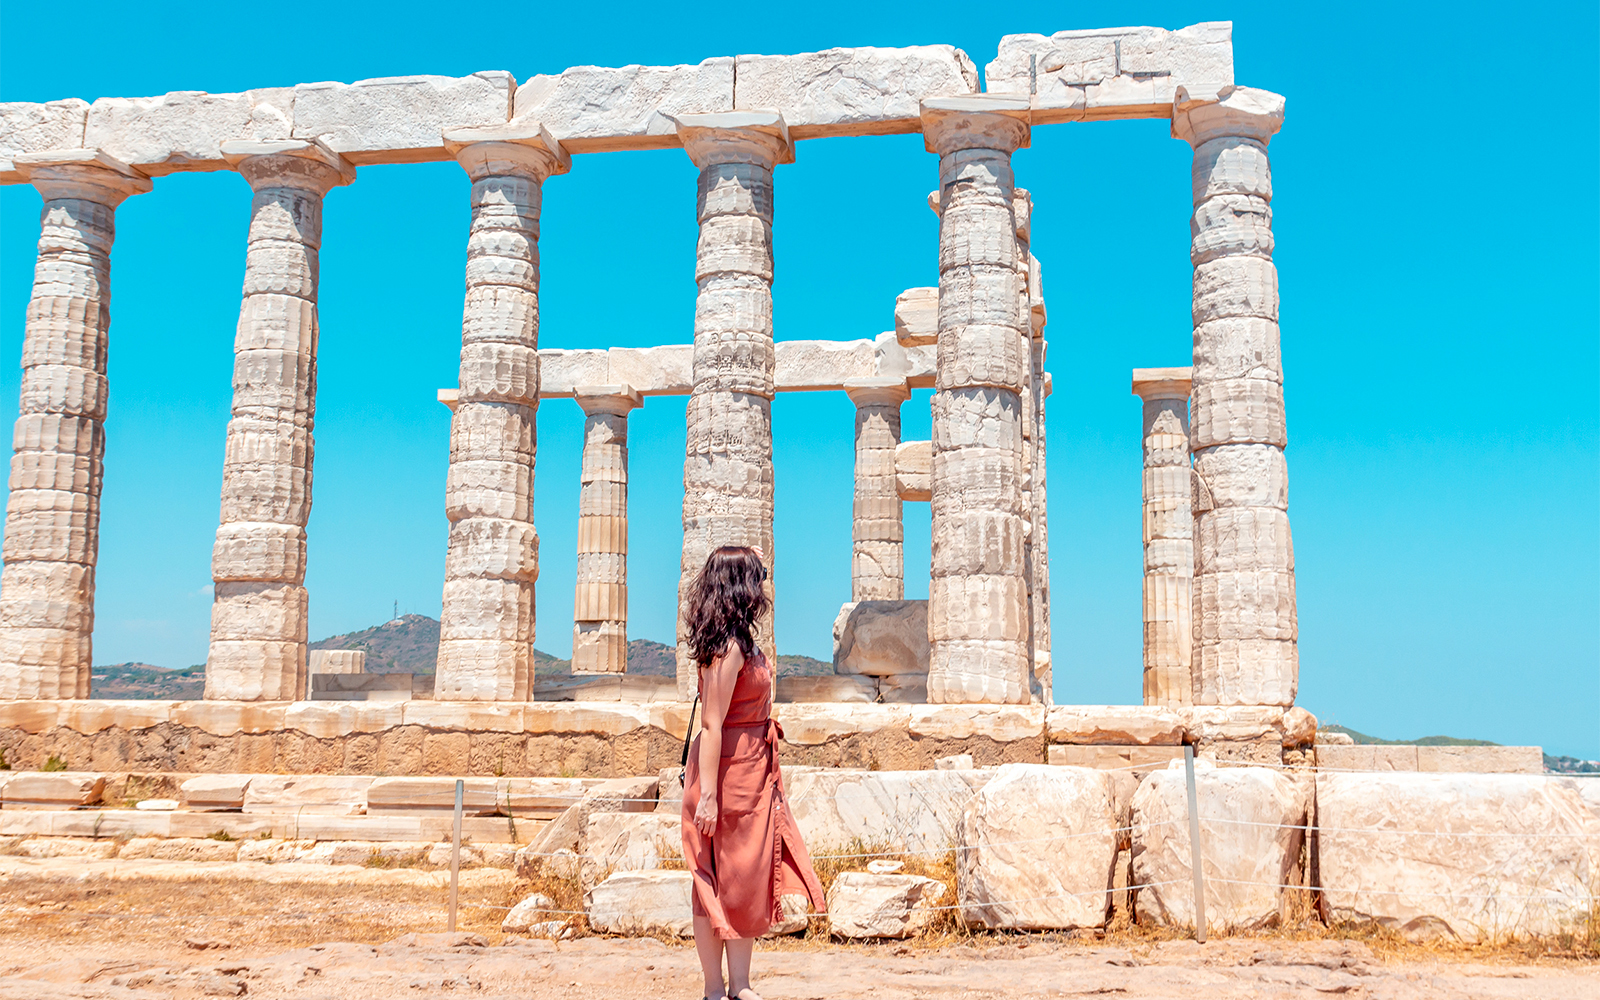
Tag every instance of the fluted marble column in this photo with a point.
(978, 608)
(1035, 553)
(1245, 630)
(727, 469)
(486, 626)
(258, 613)
(600, 605)
(1168, 535)
(877, 563)
(52, 532)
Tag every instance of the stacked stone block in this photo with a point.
(600, 605)
(877, 563)
(53, 514)
(258, 613)
(486, 626)
(1168, 535)
(727, 469)
(1245, 629)
(978, 609)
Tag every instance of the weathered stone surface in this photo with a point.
(305, 794)
(1481, 760)
(433, 796)
(1114, 72)
(628, 841)
(178, 849)
(1475, 856)
(1112, 757)
(337, 661)
(903, 689)
(916, 317)
(1038, 847)
(1251, 830)
(826, 688)
(910, 811)
(185, 130)
(52, 790)
(597, 109)
(399, 119)
(214, 792)
(526, 914)
(33, 128)
(913, 470)
(881, 638)
(1115, 724)
(859, 91)
(647, 902)
(864, 905)
(1001, 723)
(614, 795)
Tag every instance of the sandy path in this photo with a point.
(82, 931)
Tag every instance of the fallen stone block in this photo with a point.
(1038, 847)
(1471, 855)
(903, 689)
(1251, 830)
(53, 790)
(214, 792)
(639, 903)
(1112, 73)
(669, 791)
(826, 688)
(796, 916)
(896, 811)
(622, 842)
(399, 119)
(637, 795)
(307, 794)
(881, 639)
(598, 109)
(526, 914)
(853, 91)
(179, 849)
(864, 905)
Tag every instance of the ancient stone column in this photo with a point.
(52, 533)
(978, 608)
(486, 627)
(258, 613)
(727, 468)
(1168, 535)
(1244, 608)
(877, 563)
(1035, 554)
(600, 606)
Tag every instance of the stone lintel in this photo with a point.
(1162, 383)
(614, 399)
(759, 136)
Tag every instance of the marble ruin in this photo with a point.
(977, 340)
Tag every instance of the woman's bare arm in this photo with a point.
(720, 678)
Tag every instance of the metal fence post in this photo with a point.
(455, 847)
(1194, 848)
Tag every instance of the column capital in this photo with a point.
(1162, 383)
(614, 399)
(735, 137)
(977, 121)
(81, 173)
(519, 146)
(307, 164)
(876, 391)
(1243, 112)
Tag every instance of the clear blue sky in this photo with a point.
(1436, 221)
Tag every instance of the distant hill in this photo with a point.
(405, 645)
(1426, 741)
(144, 682)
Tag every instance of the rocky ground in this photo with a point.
(73, 928)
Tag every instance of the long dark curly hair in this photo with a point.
(725, 603)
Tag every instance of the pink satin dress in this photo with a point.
(756, 856)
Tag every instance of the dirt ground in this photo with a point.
(99, 929)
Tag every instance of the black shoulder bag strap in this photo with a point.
(688, 734)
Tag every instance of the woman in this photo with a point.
(739, 839)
